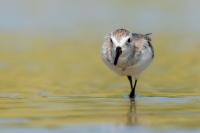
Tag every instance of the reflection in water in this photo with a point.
(132, 114)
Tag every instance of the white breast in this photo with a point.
(141, 65)
(134, 70)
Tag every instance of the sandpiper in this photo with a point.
(127, 54)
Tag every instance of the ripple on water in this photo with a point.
(59, 111)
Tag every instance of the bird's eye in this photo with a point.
(129, 40)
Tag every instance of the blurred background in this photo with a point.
(51, 73)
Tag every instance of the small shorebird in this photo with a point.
(127, 54)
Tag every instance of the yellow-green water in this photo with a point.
(45, 85)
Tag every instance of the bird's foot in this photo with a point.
(132, 96)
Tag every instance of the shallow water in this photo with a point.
(52, 78)
(54, 89)
(99, 114)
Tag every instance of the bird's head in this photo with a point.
(120, 41)
(124, 44)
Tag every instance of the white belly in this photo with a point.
(134, 70)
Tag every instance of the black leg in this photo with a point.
(130, 80)
(132, 94)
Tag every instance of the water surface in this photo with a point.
(56, 89)
(52, 78)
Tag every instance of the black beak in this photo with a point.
(118, 53)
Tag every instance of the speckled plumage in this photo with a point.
(136, 52)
